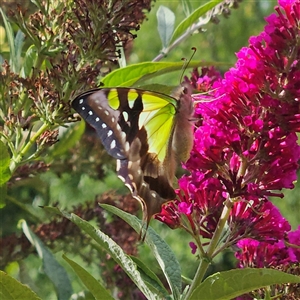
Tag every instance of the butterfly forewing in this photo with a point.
(94, 109)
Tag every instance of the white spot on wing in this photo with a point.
(90, 113)
(82, 108)
(122, 178)
(97, 119)
(109, 133)
(118, 165)
(130, 176)
(125, 116)
(130, 187)
(104, 125)
(113, 144)
(81, 101)
(123, 135)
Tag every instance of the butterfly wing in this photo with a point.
(137, 128)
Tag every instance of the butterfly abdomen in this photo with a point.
(182, 143)
(183, 132)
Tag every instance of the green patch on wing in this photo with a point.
(159, 130)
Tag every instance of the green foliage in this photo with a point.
(165, 24)
(51, 267)
(97, 290)
(221, 285)
(233, 283)
(4, 159)
(194, 20)
(11, 289)
(160, 250)
(142, 72)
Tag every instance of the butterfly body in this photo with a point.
(148, 133)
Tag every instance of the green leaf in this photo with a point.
(132, 74)
(15, 44)
(10, 36)
(93, 285)
(165, 24)
(4, 164)
(194, 17)
(160, 249)
(67, 138)
(29, 61)
(233, 283)
(148, 276)
(114, 250)
(11, 289)
(52, 268)
(17, 58)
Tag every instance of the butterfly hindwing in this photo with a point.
(139, 129)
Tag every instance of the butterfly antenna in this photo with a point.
(186, 63)
(207, 97)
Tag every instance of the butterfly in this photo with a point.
(148, 133)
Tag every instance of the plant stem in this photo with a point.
(16, 161)
(205, 261)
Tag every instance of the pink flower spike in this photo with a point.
(185, 208)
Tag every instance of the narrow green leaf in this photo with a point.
(4, 164)
(19, 41)
(137, 72)
(29, 61)
(165, 24)
(233, 283)
(150, 277)
(92, 284)
(160, 249)
(56, 273)
(4, 177)
(115, 251)
(11, 289)
(194, 17)
(10, 38)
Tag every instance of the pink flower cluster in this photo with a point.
(257, 254)
(245, 148)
